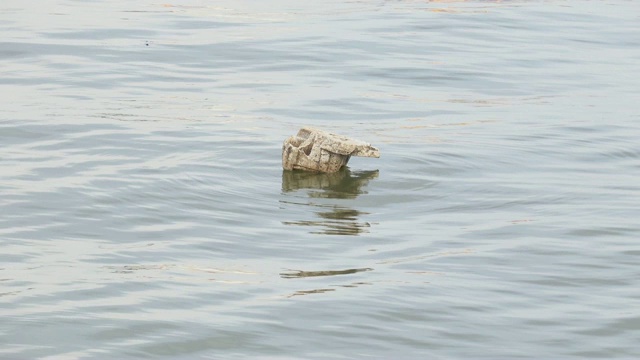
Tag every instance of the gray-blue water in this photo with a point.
(144, 212)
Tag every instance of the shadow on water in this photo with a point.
(326, 193)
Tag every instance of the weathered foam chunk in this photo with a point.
(316, 150)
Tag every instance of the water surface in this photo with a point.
(144, 211)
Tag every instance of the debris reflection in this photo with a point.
(292, 274)
(308, 292)
(325, 192)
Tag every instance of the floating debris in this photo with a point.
(320, 151)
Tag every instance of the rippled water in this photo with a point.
(144, 212)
